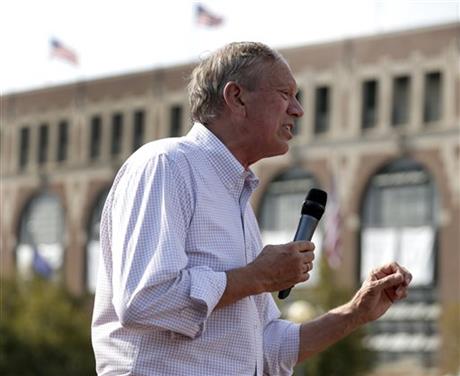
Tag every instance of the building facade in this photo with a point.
(381, 134)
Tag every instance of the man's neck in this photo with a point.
(232, 136)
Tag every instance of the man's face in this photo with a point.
(271, 110)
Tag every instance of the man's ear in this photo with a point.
(233, 97)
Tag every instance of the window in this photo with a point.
(399, 224)
(284, 196)
(280, 211)
(138, 131)
(369, 104)
(117, 131)
(399, 199)
(321, 109)
(42, 143)
(296, 129)
(95, 140)
(41, 234)
(399, 211)
(401, 105)
(176, 121)
(63, 141)
(432, 103)
(93, 246)
(24, 147)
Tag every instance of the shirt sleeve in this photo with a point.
(281, 341)
(151, 209)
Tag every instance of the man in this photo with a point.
(184, 283)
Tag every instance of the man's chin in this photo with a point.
(281, 150)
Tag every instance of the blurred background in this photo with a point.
(84, 84)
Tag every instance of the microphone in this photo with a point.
(312, 211)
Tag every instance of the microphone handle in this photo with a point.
(305, 230)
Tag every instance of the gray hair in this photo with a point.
(240, 62)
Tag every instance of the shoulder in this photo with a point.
(167, 152)
(169, 160)
(157, 165)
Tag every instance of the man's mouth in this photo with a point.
(289, 128)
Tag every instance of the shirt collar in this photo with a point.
(228, 168)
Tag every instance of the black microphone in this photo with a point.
(312, 211)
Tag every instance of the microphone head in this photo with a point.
(318, 196)
(315, 203)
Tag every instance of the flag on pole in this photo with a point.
(206, 18)
(40, 265)
(332, 242)
(60, 51)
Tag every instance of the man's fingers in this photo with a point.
(407, 276)
(308, 267)
(389, 281)
(401, 291)
(302, 246)
(308, 257)
(391, 269)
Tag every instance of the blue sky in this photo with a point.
(114, 37)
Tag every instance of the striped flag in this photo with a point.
(332, 242)
(60, 51)
(205, 18)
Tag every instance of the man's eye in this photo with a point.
(284, 94)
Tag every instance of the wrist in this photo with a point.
(252, 274)
(351, 314)
(246, 280)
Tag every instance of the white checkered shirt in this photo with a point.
(177, 217)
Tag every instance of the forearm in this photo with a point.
(318, 334)
(240, 284)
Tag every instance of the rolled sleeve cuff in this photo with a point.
(289, 353)
(281, 346)
(207, 287)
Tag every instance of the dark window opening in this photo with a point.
(401, 105)
(433, 95)
(176, 121)
(95, 141)
(42, 143)
(117, 131)
(24, 147)
(138, 132)
(321, 109)
(63, 141)
(369, 104)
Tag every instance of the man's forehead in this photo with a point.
(279, 74)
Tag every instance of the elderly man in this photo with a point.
(184, 281)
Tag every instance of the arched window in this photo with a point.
(280, 211)
(41, 237)
(398, 218)
(399, 223)
(93, 248)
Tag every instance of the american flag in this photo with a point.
(332, 242)
(206, 18)
(60, 51)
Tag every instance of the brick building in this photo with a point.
(381, 125)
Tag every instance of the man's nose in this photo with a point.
(295, 108)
